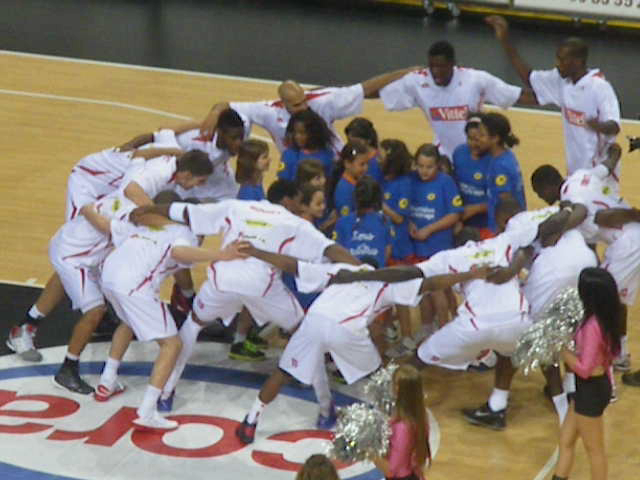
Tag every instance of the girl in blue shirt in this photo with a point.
(362, 129)
(307, 136)
(366, 232)
(311, 174)
(470, 169)
(352, 166)
(504, 179)
(253, 160)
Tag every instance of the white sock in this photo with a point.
(189, 335)
(35, 313)
(110, 372)
(256, 410)
(498, 399)
(624, 348)
(323, 392)
(148, 405)
(239, 337)
(569, 382)
(71, 356)
(562, 406)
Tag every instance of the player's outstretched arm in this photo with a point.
(208, 126)
(372, 86)
(285, 263)
(571, 216)
(148, 153)
(613, 157)
(617, 217)
(388, 275)
(502, 275)
(137, 215)
(134, 192)
(189, 255)
(136, 142)
(99, 222)
(442, 282)
(338, 254)
(501, 29)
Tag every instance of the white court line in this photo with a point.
(27, 283)
(542, 474)
(109, 103)
(225, 77)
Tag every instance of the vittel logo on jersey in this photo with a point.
(575, 117)
(449, 114)
(72, 434)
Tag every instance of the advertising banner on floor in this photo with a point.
(605, 8)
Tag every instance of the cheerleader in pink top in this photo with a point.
(409, 449)
(597, 344)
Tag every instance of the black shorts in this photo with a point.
(592, 395)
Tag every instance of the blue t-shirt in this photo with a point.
(292, 157)
(504, 176)
(375, 170)
(249, 191)
(305, 299)
(343, 198)
(471, 177)
(366, 235)
(429, 202)
(397, 193)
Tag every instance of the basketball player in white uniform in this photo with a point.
(330, 103)
(607, 219)
(590, 107)
(446, 94)
(249, 282)
(92, 178)
(337, 323)
(131, 278)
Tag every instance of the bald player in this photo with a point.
(331, 103)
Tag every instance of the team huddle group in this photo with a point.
(310, 255)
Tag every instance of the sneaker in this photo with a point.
(154, 422)
(21, 342)
(336, 376)
(166, 404)
(104, 393)
(246, 432)
(257, 341)
(69, 379)
(391, 333)
(631, 379)
(622, 363)
(483, 363)
(327, 422)
(485, 417)
(246, 351)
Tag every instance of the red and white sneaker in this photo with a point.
(154, 422)
(104, 393)
(21, 342)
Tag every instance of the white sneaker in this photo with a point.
(21, 342)
(622, 363)
(104, 391)
(391, 332)
(155, 421)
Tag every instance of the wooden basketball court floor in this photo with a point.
(56, 110)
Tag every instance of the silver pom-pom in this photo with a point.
(378, 389)
(362, 433)
(540, 344)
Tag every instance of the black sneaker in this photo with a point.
(246, 351)
(485, 417)
(256, 340)
(632, 379)
(246, 431)
(69, 379)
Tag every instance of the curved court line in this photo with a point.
(227, 77)
(542, 474)
(109, 103)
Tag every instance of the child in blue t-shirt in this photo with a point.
(308, 136)
(362, 129)
(352, 166)
(253, 161)
(470, 169)
(366, 232)
(396, 167)
(504, 178)
(435, 203)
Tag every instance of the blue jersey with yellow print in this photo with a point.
(504, 176)
(343, 198)
(471, 176)
(430, 201)
(396, 195)
(291, 158)
(366, 235)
